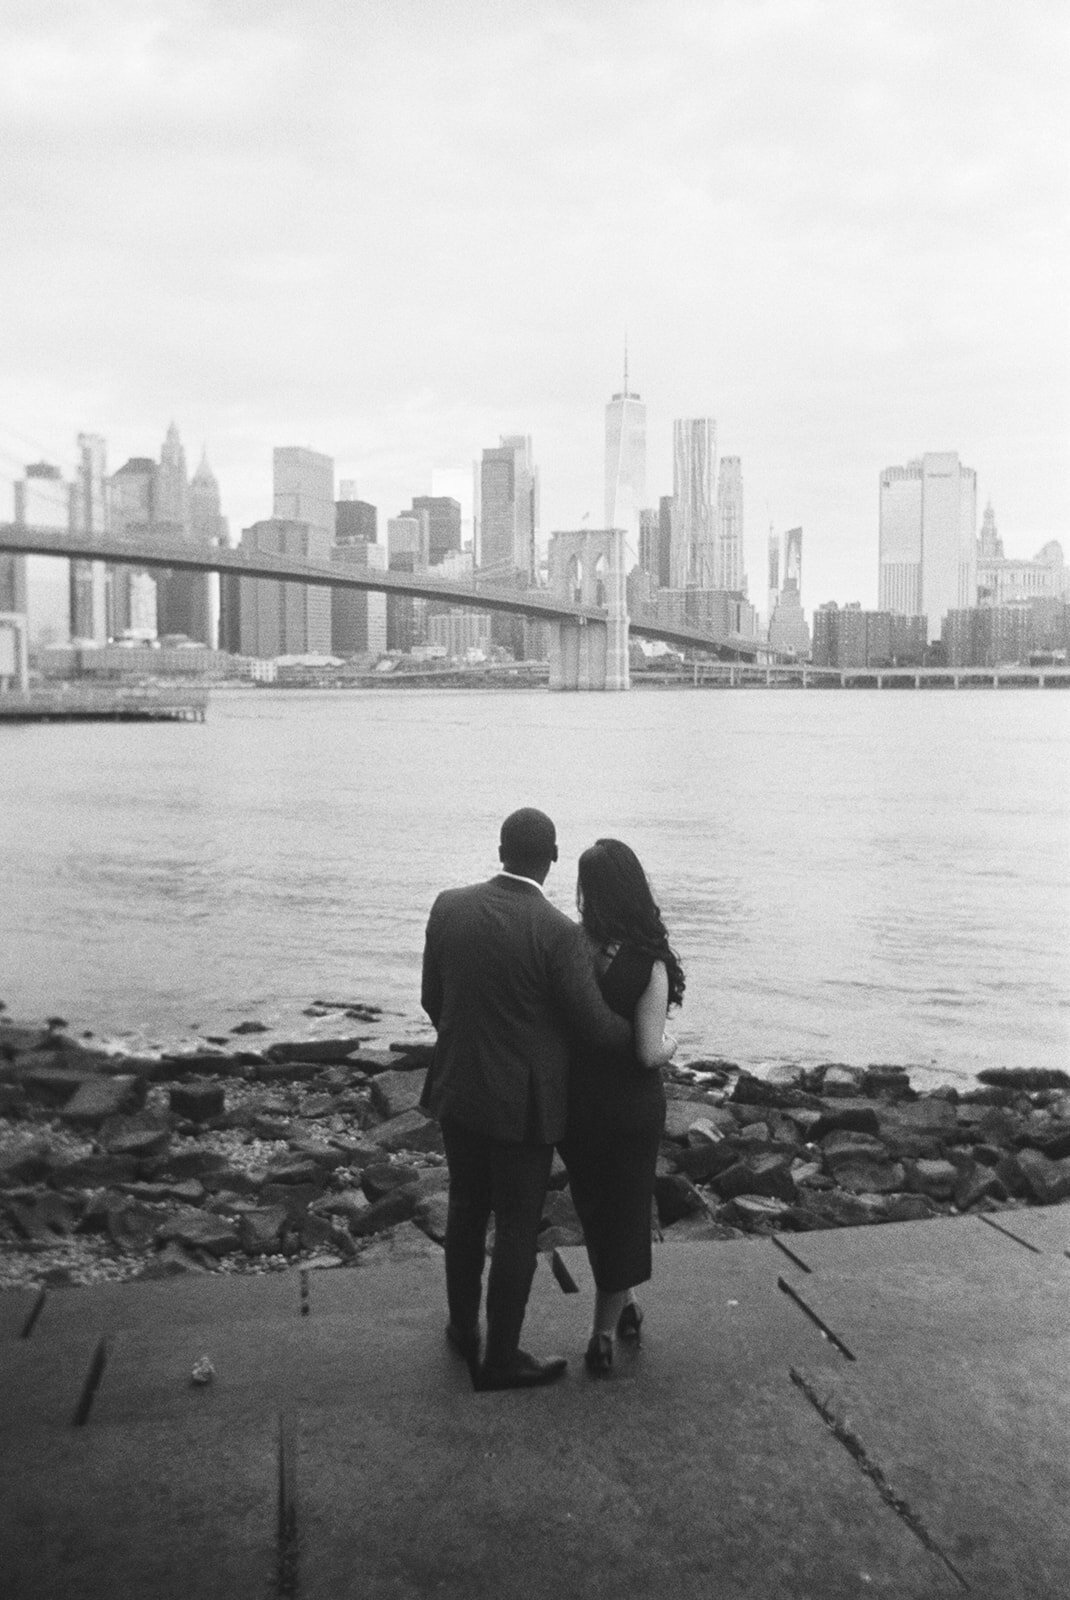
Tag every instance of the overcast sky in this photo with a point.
(396, 230)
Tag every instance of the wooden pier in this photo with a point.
(70, 703)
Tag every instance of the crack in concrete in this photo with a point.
(808, 1311)
(873, 1471)
(286, 1564)
(91, 1385)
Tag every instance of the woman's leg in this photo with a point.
(608, 1305)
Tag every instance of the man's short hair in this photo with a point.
(528, 835)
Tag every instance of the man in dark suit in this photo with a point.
(506, 982)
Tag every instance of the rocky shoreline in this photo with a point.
(241, 1156)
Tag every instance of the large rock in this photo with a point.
(197, 1100)
(935, 1178)
(758, 1212)
(849, 1115)
(918, 1128)
(201, 1230)
(42, 1219)
(865, 1176)
(701, 1162)
(681, 1115)
(86, 1172)
(976, 1183)
(768, 1175)
(97, 1099)
(1025, 1078)
(132, 1224)
(291, 1169)
(349, 1204)
(676, 1197)
(400, 1206)
(395, 1092)
(844, 1145)
(47, 1081)
(326, 1156)
(410, 1131)
(18, 1038)
(371, 1062)
(430, 1215)
(28, 1165)
(749, 1090)
(385, 1176)
(146, 1133)
(317, 1051)
(1046, 1181)
(840, 1082)
(191, 1162)
(286, 1071)
(295, 1198)
(886, 1082)
(260, 1229)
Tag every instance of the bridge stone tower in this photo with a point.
(587, 568)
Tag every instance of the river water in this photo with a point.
(854, 876)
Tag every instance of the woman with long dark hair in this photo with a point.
(617, 1102)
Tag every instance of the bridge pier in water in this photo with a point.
(587, 568)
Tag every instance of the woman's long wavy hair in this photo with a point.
(617, 907)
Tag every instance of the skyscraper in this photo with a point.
(989, 545)
(444, 524)
(773, 579)
(89, 515)
(355, 521)
(42, 500)
(408, 546)
(280, 619)
(208, 526)
(787, 625)
(358, 616)
(133, 498)
(728, 570)
(509, 499)
(460, 484)
(625, 460)
(928, 544)
(694, 466)
(304, 487)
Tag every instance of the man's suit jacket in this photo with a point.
(507, 982)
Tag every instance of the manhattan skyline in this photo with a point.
(815, 233)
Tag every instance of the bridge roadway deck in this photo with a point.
(477, 595)
(882, 1412)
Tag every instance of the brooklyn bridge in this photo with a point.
(585, 603)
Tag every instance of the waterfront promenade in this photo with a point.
(879, 1411)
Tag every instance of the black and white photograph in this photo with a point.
(534, 799)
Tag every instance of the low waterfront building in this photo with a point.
(358, 616)
(988, 636)
(850, 637)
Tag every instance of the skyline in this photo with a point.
(837, 230)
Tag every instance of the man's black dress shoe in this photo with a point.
(523, 1372)
(465, 1341)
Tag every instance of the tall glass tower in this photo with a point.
(625, 460)
(694, 526)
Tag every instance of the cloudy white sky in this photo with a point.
(396, 230)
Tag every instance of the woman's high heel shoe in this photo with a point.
(598, 1358)
(629, 1323)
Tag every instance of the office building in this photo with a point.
(207, 526)
(355, 521)
(408, 544)
(133, 598)
(508, 531)
(460, 484)
(773, 572)
(303, 483)
(625, 462)
(712, 611)
(694, 502)
(358, 616)
(89, 515)
(927, 537)
(284, 619)
(443, 525)
(728, 555)
(1003, 580)
(989, 636)
(649, 540)
(43, 583)
(788, 632)
(850, 637)
(509, 501)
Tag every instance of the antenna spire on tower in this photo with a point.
(626, 362)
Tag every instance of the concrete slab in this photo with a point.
(1046, 1229)
(977, 1451)
(590, 1490)
(978, 1303)
(39, 1386)
(947, 1243)
(141, 1513)
(171, 1302)
(712, 1307)
(16, 1306)
(266, 1367)
(367, 1291)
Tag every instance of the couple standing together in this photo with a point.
(549, 1034)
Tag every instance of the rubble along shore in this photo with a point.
(225, 1156)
